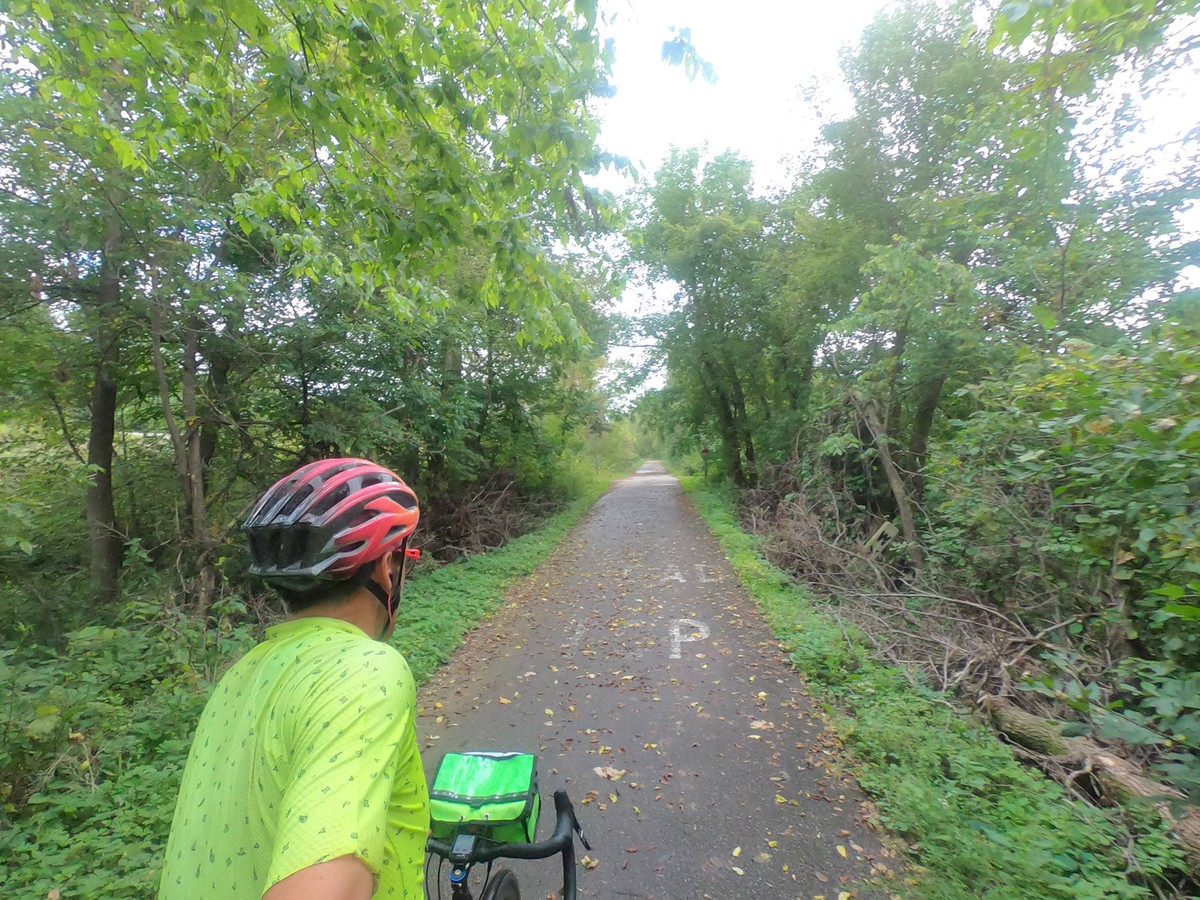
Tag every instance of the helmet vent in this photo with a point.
(332, 499)
(296, 500)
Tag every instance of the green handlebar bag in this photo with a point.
(492, 794)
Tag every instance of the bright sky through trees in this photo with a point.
(763, 51)
(768, 54)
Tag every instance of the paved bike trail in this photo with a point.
(635, 648)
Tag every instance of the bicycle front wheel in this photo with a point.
(503, 886)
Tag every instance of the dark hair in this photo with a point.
(297, 600)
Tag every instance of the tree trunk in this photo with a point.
(1115, 781)
(800, 389)
(894, 406)
(193, 466)
(222, 408)
(189, 465)
(730, 446)
(207, 577)
(918, 445)
(743, 425)
(105, 537)
(904, 504)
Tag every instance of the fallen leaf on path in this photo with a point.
(737, 851)
(842, 852)
(609, 772)
(505, 701)
(739, 871)
(589, 863)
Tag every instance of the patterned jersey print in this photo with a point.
(306, 752)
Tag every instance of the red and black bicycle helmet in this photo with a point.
(327, 520)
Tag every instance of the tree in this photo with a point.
(163, 164)
(702, 229)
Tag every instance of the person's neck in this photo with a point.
(360, 609)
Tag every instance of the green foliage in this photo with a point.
(93, 739)
(1105, 31)
(314, 133)
(1088, 461)
(340, 233)
(701, 227)
(93, 747)
(977, 823)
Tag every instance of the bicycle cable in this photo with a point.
(438, 879)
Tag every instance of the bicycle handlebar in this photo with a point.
(562, 841)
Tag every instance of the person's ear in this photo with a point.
(381, 571)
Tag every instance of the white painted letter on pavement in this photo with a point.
(686, 630)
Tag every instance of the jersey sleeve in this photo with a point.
(346, 747)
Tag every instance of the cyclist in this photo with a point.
(304, 778)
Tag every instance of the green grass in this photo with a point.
(93, 739)
(975, 822)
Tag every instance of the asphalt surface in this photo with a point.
(635, 651)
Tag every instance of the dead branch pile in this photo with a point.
(480, 519)
(956, 642)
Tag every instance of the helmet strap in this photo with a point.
(363, 578)
(389, 598)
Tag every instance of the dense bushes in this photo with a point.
(94, 743)
(1082, 466)
(1070, 497)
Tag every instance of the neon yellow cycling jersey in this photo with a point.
(306, 751)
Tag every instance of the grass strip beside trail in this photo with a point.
(441, 606)
(976, 822)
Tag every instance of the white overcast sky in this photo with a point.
(762, 51)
